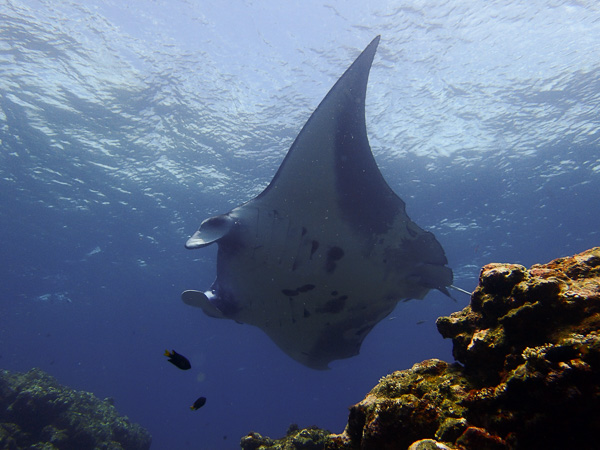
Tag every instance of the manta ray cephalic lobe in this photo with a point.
(326, 251)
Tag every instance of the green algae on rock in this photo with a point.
(311, 438)
(407, 406)
(529, 345)
(37, 412)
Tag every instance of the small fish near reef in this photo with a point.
(198, 403)
(178, 360)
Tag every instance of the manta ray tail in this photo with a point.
(456, 288)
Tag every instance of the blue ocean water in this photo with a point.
(124, 124)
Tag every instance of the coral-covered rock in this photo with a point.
(311, 438)
(253, 441)
(37, 412)
(513, 308)
(428, 444)
(529, 344)
(409, 405)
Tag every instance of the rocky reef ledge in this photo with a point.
(38, 413)
(527, 374)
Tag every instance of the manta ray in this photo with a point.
(327, 250)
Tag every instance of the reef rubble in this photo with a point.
(38, 413)
(527, 374)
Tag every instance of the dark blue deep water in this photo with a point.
(124, 124)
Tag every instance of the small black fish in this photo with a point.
(178, 360)
(198, 403)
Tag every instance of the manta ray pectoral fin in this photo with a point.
(434, 276)
(327, 250)
(446, 292)
(211, 230)
(201, 300)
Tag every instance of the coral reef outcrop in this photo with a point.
(311, 438)
(38, 413)
(527, 374)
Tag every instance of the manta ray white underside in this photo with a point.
(326, 251)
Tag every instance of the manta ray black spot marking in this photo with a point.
(313, 248)
(334, 254)
(306, 288)
(298, 291)
(334, 306)
(328, 183)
